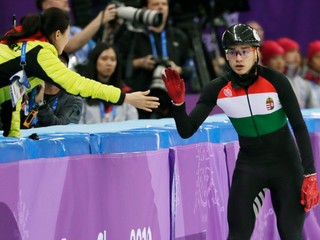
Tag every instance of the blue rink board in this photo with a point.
(121, 137)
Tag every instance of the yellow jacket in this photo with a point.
(42, 62)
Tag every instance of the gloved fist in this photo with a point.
(309, 192)
(175, 85)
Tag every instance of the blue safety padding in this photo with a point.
(311, 112)
(175, 140)
(174, 137)
(58, 145)
(312, 118)
(135, 140)
(11, 149)
(220, 132)
(94, 144)
(122, 137)
(146, 139)
(313, 123)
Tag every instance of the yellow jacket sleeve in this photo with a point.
(73, 82)
(15, 121)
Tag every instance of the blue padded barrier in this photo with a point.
(11, 149)
(135, 140)
(313, 124)
(311, 111)
(312, 119)
(121, 137)
(175, 139)
(221, 132)
(59, 145)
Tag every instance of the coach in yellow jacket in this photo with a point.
(45, 36)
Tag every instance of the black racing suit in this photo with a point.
(269, 156)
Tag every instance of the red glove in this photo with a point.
(175, 85)
(309, 192)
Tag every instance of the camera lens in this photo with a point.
(146, 17)
(149, 17)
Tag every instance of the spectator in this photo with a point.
(272, 56)
(142, 52)
(292, 55)
(104, 66)
(29, 54)
(311, 71)
(81, 41)
(55, 105)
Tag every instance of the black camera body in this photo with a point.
(165, 62)
(138, 15)
(161, 65)
(158, 88)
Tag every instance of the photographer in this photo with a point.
(150, 47)
(81, 40)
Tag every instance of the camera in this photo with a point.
(137, 15)
(158, 89)
(161, 65)
(165, 62)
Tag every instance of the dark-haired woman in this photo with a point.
(39, 41)
(104, 66)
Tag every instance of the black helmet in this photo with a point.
(240, 34)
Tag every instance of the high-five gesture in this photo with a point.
(175, 85)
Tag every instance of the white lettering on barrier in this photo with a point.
(134, 235)
(141, 235)
(102, 236)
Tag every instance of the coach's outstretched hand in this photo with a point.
(175, 85)
(142, 101)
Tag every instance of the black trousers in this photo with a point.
(278, 170)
